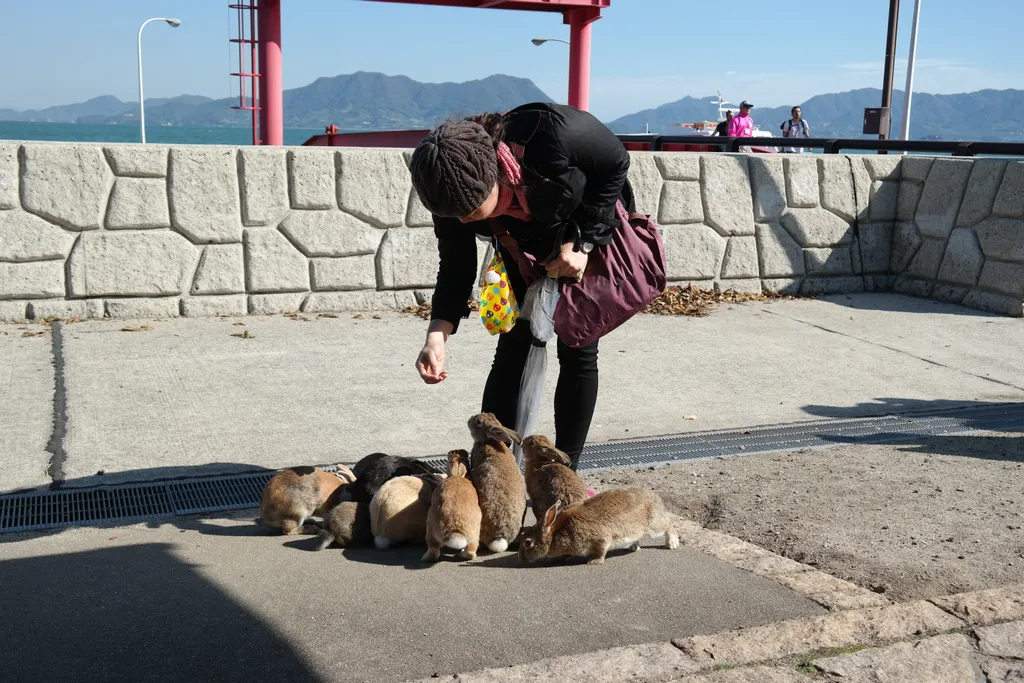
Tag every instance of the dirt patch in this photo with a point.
(915, 520)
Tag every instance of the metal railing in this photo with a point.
(958, 148)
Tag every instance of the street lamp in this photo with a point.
(541, 41)
(175, 23)
(908, 93)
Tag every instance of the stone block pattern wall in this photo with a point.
(157, 231)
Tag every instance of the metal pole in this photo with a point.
(579, 21)
(142, 101)
(890, 60)
(271, 85)
(909, 92)
(173, 23)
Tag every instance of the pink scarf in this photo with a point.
(511, 193)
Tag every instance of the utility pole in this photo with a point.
(887, 76)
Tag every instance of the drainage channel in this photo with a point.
(154, 500)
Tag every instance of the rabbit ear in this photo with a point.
(458, 463)
(497, 432)
(549, 517)
(345, 474)
(552, 454)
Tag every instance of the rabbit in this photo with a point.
(454, 517)
(549, 481)
(612, 520)
(347, 524)
(296, 494)
(499, 483)
(372, 471)
(398, 511)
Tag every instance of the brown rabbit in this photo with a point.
(454, 517)
(398, 511)
(613, 520)
(549, 481)
(296, 494)
(347, 524)
(499, 483)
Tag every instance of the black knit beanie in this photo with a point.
(454, 168)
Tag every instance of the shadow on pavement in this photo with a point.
(149, 475)
(900, 406)
(973, 445)
(133, 613)
(898, 303)
(407, 556)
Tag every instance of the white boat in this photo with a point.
(708, 127)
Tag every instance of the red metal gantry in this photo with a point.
(263, 74)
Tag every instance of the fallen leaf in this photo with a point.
(40, 333)
(289, 314)
(244, 335)
(690, 417)
(696, 302)
(327, 315)
(418, 311)
(359, 316)
(239, 324)
(377, 316)
(140, 328)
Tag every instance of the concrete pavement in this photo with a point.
(219, 598)
(222, 599)
(187, 397)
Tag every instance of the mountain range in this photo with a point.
(374, 101)
(359, 101)
(992, 115)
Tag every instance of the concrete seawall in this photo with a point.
(89, 230)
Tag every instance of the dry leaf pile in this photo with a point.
(688, 300)
(693, 301)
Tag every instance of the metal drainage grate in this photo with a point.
(137, 502)
(803, 435)
(130, 502)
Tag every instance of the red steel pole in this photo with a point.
(271, 85)
(579, 21)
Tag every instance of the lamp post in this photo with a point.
(142, 103)
(541, 41)
(909, 93)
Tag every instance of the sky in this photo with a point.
(645, 52)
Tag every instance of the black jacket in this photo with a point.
(573, 168)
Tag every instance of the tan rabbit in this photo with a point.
(296, 494)
(454, 517)
(347, 524)
(398, 511)
(549, 481)
(613, 520)
(499, 483)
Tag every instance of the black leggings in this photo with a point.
(575, 393)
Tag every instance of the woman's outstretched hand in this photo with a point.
(569, 263)
(430, 362)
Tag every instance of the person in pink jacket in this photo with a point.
(742, 126)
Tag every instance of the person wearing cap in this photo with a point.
(742, 126)
(530, 172)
